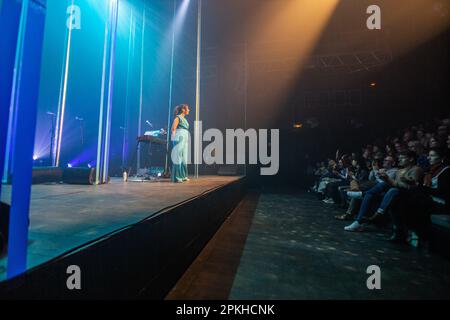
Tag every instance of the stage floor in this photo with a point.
(63, 217)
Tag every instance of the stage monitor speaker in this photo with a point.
(47, 175)
(4, 225)
(228, 170)
(79, 175)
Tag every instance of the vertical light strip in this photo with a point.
(61, 86)
(102, 101)
(112, 58)
(31, 35)
(172, 59)
(14, 92)
(141, 94)
(62, 108)
(126, 125)
(7, 61)
(17, 241)
(14, 96)
(198, 92)
(246, 72)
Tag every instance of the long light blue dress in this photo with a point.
(180, 151)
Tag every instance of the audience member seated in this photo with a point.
(358, 174)
(407, 194)
(360, 183)
(332, 175)
(384, 176)
(415, 207)
(408, 177)
(343, 174)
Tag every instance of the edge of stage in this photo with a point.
(130, 240)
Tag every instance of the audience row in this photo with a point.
(400, 181)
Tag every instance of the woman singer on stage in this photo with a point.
(180, 137)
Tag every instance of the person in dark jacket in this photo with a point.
(415, 206)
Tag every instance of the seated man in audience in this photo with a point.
(383, 177)
(421, 137)
(321, 169)
(343, 174)
(422, 156)
(359, 174)
(320, 172)
(415, 206)
(390, 150)
(331, 176)
(407, 178)
(360, 183)
(399, 147)
(434, 143)
(367, 153)
(442, 133)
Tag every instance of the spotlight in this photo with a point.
(35, 157)
(373, 84)
(298, 125)
(89, 165)
(180, 16)
(69, 165)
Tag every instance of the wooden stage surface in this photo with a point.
(63, 217)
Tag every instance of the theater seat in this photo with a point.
(440, 234)
(442, 220)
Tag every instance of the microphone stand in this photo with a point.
(52, 136)
(82, 134)
(81, 120)
(81, 131)
(123, 150)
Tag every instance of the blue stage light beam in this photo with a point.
(197, 149)
(56, 152)
(25, 98)
(178, 22)
(104, 128)
(141, 89)
(131, 53)
(180, 16)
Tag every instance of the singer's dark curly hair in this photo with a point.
(179, 109)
